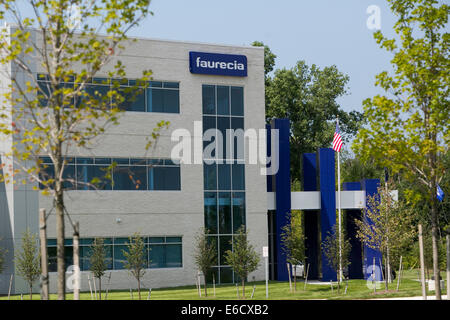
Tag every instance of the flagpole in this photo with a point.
(339, 214)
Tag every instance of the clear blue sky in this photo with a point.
(321, 32)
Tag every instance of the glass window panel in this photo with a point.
(226, 275)
(238, 210)
(171, 85)
(156, 240)
(225, 244)
(172, 101)
(210, 211)
(141, 162)
(109, 257)
(121, 160)
(151, 179)
(224, 175)
(173, 239)
(52, 263)
(238, 139)
(101, 172)
(119, 257)
(157, 256)
(121, 240)
(102, 160)
(69, 173)
(47, 172)
(130, 178)
(85, 257)
(43, 93)
(213, 275)
(155, 100)
(238, 176)
(86, 241)
(237, 101)
(209, 176)
(134, 100)
(209, 123)
(156, 84)
(223, 123)
(51, 242)
(224, 213)
(173, 178)
(173, 256)
(209, 99)
(223, 100)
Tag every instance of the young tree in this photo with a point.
(243, 259)
(387, 226)
(136, 259)
(205, 254)
(330, 247)
(28, 260)
(293, 240)
(408, 129)
(62, 114)
(98, 261)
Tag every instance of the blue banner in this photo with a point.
(218, 64)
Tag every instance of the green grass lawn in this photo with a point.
(357, 289)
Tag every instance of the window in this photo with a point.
(224, 180)
(158, 97)
(160, 252)
(117, 174)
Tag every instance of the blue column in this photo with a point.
(355, 269)
(327, 185)
(370, 186)
(311, 221)
(268, 154)
(282, 187)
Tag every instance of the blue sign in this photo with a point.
(218, 64)
(440, 193)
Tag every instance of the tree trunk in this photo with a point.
(206, 290)
(243, 288)
(31, 292)
(100, 287)
(60, 242)
(434, 234)
(295, 278)
(139, 288)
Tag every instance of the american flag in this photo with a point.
(337, 140)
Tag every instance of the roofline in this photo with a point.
(7, 24)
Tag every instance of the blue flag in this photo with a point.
(440, 193)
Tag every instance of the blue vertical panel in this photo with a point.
(282, 193)
(327, 185)
(355, 269)
(268, 154)
(309, 172)
(311, 221)
(370, 186)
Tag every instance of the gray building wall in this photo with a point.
(155, 213)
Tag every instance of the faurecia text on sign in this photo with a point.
(218, 64)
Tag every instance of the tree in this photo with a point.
(136, 258)
(243, 259)
(293, 241)
(387, 227)
(98, 261)
(408, 128)
(205, 254)
(307, 96)
(60, 114)
(330, 248)
(28, 260)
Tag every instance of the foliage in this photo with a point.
(27, 260)
(136, 258)
(330, 247)
(353, 169)
(386, 226)
(98, 261)
(307, 96)
(269, 58)
(243, 259)
(60, 115)
(205, 254)
(408, 128)
(293, 242)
